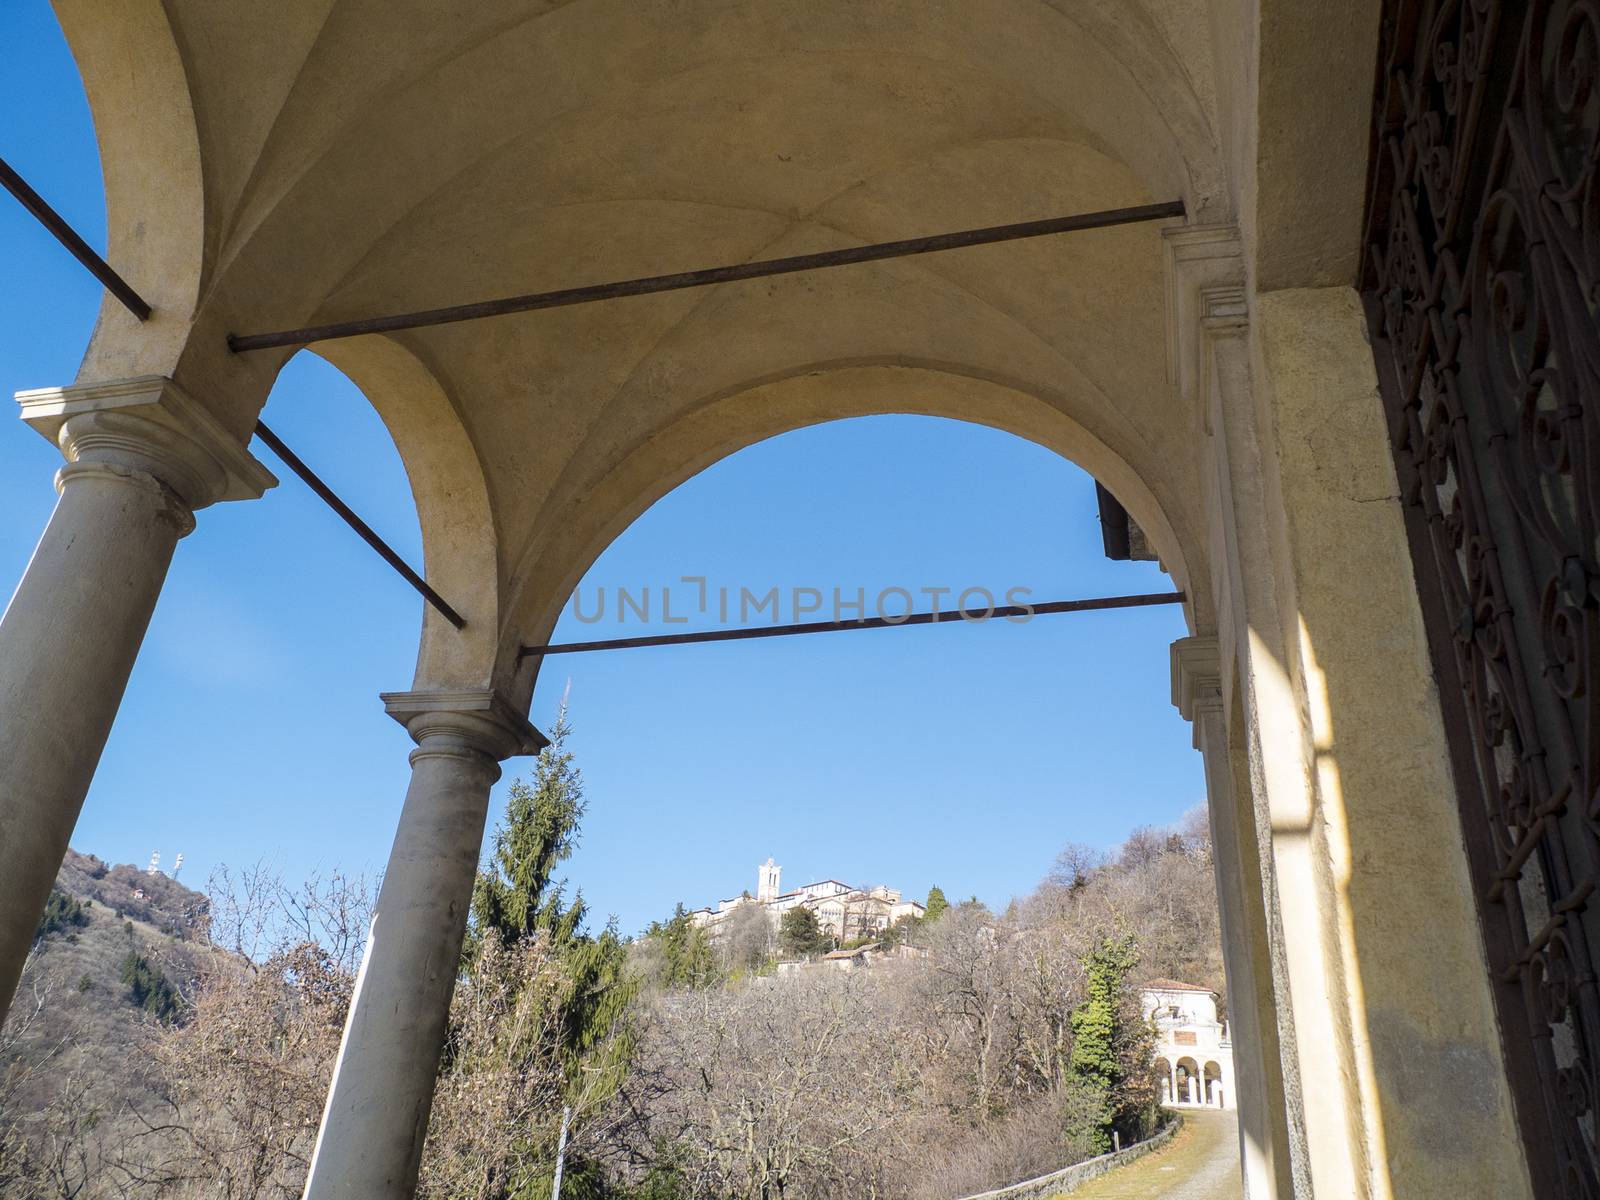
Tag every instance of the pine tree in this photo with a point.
(688, 960)
(62, 914)
(148, 987)
(1104, 1042)
(801, 935)
(936, 905)
(517, 896)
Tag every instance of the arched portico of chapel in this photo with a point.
(278, 166)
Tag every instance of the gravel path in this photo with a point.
(1201, 1163)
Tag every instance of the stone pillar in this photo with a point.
(141, 458)
(370, 1142)
(1361, 802)
(1263, 1129)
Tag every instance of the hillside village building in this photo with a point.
(1194, 1052)
(1339, 374)
(846, 912)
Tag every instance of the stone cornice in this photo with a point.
(481, 720)
(1196, 676)
(148, 424)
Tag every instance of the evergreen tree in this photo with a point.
(595, 1028)
(62, 914)
(148, 987)
(517, 895)
(801, 935)
(687, 960)
(1102, 1038)
(936, 904)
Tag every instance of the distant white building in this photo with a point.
(844, 911)
(1194, 1054)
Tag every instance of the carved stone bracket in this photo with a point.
(1196, 679)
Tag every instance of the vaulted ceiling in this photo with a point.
(269, 166)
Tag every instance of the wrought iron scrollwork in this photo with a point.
(1482, 285)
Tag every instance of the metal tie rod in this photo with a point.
(118, 287)
(692, 279)
(76, 246)
(363, 530)
(1095, 604)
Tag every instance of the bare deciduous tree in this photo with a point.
(243, 1077)
(745, 941)
(798, 1086)
(501, 1088)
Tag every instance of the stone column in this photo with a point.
(141, 458)
(370, 1142)
(1263, 1128)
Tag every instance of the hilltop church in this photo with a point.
(846, 912)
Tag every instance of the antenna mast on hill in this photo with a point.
(155, 863)
(177, 865)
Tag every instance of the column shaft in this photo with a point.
(1263, 1129)
(68, 640)
(142, 457)
(370, 1144)
(1263, 1121)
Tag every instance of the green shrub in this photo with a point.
(148, 987)
(62, 913)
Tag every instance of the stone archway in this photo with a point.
(452, 500)
(270, 167)
(1165, 1088)
(553, 562)
(1188, 1080)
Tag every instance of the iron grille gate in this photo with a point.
(1482, 280)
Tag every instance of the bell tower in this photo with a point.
(767, 888)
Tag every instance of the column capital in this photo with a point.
(148, 424)
(476, 720)
(1196, 676)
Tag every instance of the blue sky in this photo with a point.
(963, 756)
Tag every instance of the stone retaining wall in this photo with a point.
(1068, 1179)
